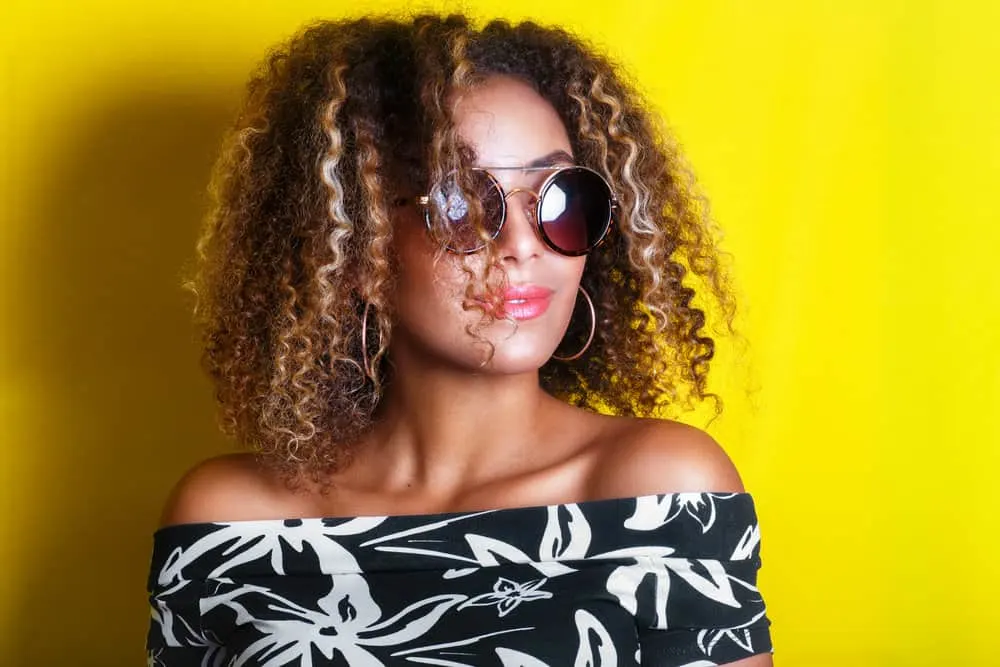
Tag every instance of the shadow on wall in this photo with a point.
(107, 331)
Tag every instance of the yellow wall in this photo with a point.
(850, 149)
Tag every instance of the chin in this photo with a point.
(508, 360)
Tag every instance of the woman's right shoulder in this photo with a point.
(230, 487)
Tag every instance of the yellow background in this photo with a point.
(850, 150)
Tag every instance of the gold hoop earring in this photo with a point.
(593, 329)
(369, 370)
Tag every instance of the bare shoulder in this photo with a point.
(224, 488)
(650, 456)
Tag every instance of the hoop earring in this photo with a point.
(369, 370)
(593, 329)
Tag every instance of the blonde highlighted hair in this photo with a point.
(348, 117)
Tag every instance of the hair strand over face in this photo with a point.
(348, 117)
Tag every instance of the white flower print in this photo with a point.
(624, 582)
(566, 536)
(448, 648)
(488, 551)
(715, 584)
(709, 638)
(511, 658)
(173, 627)
(246, 541)
(347, 620)
(747, 544)
(507, 595)
(597, 647)
(421, 530)
(651, 512)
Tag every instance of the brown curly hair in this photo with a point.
(347, 117)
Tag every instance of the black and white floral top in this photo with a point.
(659, 580)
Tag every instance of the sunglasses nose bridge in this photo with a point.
(532, 201)
(520, 236)
(510, 193)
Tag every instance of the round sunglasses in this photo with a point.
(573, 212)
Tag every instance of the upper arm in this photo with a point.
(659, 456)
(761, 660)
(225, 488)
(219, 489)
(663, 457)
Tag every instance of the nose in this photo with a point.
(519, 240)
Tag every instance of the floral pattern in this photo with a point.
(666, 580)
(507, 594)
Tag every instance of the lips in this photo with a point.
(526, 302)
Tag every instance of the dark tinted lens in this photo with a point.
(455, 214)
(575, 210)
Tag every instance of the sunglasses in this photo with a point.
(573, 210)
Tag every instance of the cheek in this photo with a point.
(431, 285)
(575, 267)
(427, 271)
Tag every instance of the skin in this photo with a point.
(430, 451)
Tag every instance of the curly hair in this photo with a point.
(347, 117)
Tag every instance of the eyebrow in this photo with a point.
(553, 159)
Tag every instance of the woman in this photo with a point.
(434, 248)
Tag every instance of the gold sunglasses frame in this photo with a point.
(424, 201)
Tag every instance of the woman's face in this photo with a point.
(508, 125)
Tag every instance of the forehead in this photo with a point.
(508, 124)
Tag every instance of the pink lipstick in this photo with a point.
(526, 302)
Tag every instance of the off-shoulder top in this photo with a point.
(658, 580)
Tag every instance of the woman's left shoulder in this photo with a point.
(638, 457)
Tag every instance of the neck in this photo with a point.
(443, 428)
